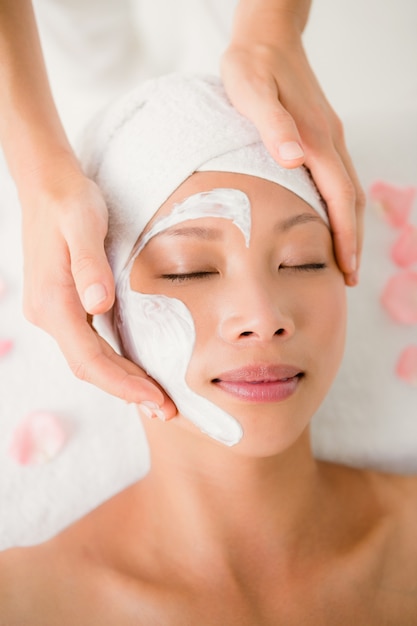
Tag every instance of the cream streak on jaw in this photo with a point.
(158, 332)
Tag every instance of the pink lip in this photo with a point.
(260, 383)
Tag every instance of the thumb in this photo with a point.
(94, 283)
(90, 268)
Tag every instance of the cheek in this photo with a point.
(205, 335)
(328, 316)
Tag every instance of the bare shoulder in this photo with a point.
(398, 493)
(18, 568)
(394, 494)
(8, 591)
(70, 579)
(379, 511)
(384, 505)
(399, 575)
(401, 494)
(46, 576)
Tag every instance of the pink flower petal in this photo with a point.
(37, 439)
(407, 365)
(399, 297)
(5, 346)
(395, 203)
(404, 251)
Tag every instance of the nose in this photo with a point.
(256, 313)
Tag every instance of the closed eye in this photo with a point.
(180, 278)
(305, 267)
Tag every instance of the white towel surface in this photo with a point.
(369, 419)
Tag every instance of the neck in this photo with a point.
(209, 496)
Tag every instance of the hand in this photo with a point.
(274, 86)
(65, 265)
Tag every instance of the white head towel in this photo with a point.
(148, 142)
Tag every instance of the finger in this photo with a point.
(168, 406)
(257, 98)
(92, 275)
(92, 359)
(339, 193)
(360, 201)
(104, 368)
(128, 381)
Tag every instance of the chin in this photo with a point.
(268, 430)
(270, 447)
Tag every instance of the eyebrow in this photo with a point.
(208, 234)
(301, 218)
(216, 234)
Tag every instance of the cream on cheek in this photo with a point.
(158, 332)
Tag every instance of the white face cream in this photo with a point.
(158, 332)
(230, 204)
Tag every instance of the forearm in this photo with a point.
(31, 133)
(269, 21)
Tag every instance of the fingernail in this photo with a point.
(353, 263)
(290, 150)
(151, 410)
(94, 295)
(144, 411)
(355, 277)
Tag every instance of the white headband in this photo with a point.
(151, 140)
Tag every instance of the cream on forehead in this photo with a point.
(158, 332)
(231, 204)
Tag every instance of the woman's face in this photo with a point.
(269, 313)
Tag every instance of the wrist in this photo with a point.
(48, 164)
(270, 23)
(35, 146)
(48, 175)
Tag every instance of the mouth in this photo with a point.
(260, 383)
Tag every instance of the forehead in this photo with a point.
(265, 197)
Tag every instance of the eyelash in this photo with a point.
(181, 278)
(307, 267)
